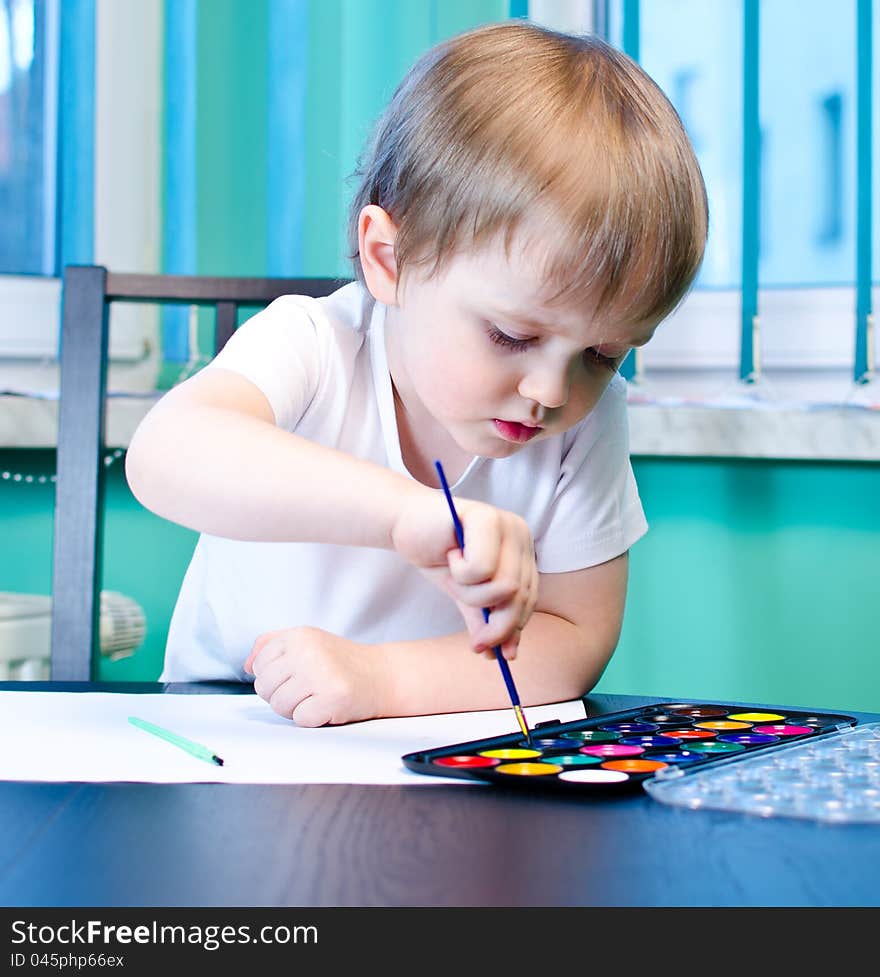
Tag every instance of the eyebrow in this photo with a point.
(519, 318)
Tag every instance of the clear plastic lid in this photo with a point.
(832, 778)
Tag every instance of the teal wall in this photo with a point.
(144, 556)
(757, 580)
(356, 53)
(361, 50)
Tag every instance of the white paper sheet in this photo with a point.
(86, 736)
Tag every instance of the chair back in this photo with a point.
(87, 294)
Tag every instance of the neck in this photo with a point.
(423, 441)
(422, 438)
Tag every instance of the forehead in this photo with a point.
(511, 285)
(508, 281)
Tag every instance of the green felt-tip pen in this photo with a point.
(194, 749)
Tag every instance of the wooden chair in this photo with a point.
(87, 293)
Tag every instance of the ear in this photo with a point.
(377, 233)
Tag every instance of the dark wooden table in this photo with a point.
(313, 845)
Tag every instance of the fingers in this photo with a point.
(497, 569)
(310, 676)
(502, 577)
(486, 532)
(286, 695)
(515, 585)
(311, 711)
(504, 628)
(290, 700)
(271, 670)
(510, 648)
(260, 643)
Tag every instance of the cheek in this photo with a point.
(441, 376)
(456, 370)
(459, 384)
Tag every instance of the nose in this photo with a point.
(547, 386)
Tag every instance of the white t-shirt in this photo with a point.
(322, 366)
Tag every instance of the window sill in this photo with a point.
(748, 422)
(28, 421)
(786, 433)
(29, 401)
(789, 415)
(829, 434)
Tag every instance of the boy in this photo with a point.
(529, 210)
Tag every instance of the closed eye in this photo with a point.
(592, 355)
(508, 342)
(518, 345)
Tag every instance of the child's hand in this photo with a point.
(315, 678)
(497, 571)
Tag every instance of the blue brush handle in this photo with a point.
(505, 668)
(459, 535)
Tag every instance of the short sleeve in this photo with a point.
(280, 351)
(596, 513)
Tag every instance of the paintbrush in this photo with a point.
(502, 661)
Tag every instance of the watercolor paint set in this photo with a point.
(621, 751)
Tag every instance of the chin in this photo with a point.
(487, 446)
(496, 449)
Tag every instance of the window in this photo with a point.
(784, 293)
(79, 175)
(28, 124)
(810, 108)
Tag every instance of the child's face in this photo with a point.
(479, 352)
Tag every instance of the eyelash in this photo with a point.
(518, 345)
(611, 362)
(508, 342)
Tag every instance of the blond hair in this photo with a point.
(511, 120)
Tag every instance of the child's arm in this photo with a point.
(210, 457)
(317, 678)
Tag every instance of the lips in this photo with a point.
(516, 432)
